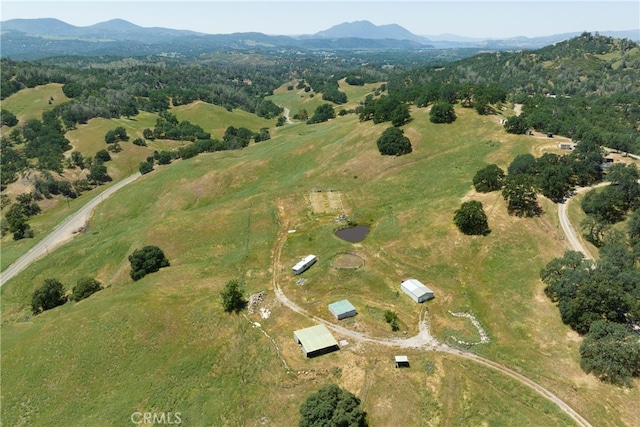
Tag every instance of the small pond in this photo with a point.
(353, 234)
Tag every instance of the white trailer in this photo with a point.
(303, 265)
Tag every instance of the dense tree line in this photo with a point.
(611, 204)
(551, 175)
(610, 121)
(598, 299)
(585, 88)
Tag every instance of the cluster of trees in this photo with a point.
(42, 140)
(7, 118)
(611, 204)
(148, 259)
(18, 214)
(119, 134)
(332, 406)
(552, 175)
(442, 112)
(53, 294)
(322, 113)
(583, 95)
(384, 109)
(608, 121)
(168, 127)
(598, 299)
(233, 139)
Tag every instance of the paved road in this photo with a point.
(63, 232)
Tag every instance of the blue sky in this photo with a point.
(465, 18)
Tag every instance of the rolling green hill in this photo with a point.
(163, 344)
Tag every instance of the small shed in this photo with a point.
(342, 309)
(402, 361)
(416, 290)
(315, 340)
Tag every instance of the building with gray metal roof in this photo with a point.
(342, 309)
(316, 340)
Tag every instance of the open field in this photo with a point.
(163, 343)
(31, 103)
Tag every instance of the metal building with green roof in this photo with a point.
(316, 340)
(342, 309)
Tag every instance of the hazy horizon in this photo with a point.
(473, 19)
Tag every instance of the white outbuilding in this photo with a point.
(304, 264)
(416, 290)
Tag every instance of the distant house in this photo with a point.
(303, 265)
(316, 340)
(416, 290)
(342, 309)
(607, 162)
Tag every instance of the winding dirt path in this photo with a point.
(286, 115)
(423, 340)
(572, 237)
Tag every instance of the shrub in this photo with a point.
(332, 406)
(392, 142)
(85, 287)
(489, 178)
(139, 142)
(471, 219)
(147, 260)
(50, 295)
(232, 298)
(145, 167)
(391, 317)
(442, 112)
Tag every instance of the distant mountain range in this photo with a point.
(40, 38)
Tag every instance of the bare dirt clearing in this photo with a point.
(326, 201)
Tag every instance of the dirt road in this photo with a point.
(572, 237)
(286, 116)
(423, 340)
(63, 232)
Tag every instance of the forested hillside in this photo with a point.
(249, 161)
(585, 88)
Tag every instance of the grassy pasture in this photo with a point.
(164, 344)
(32, 102)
